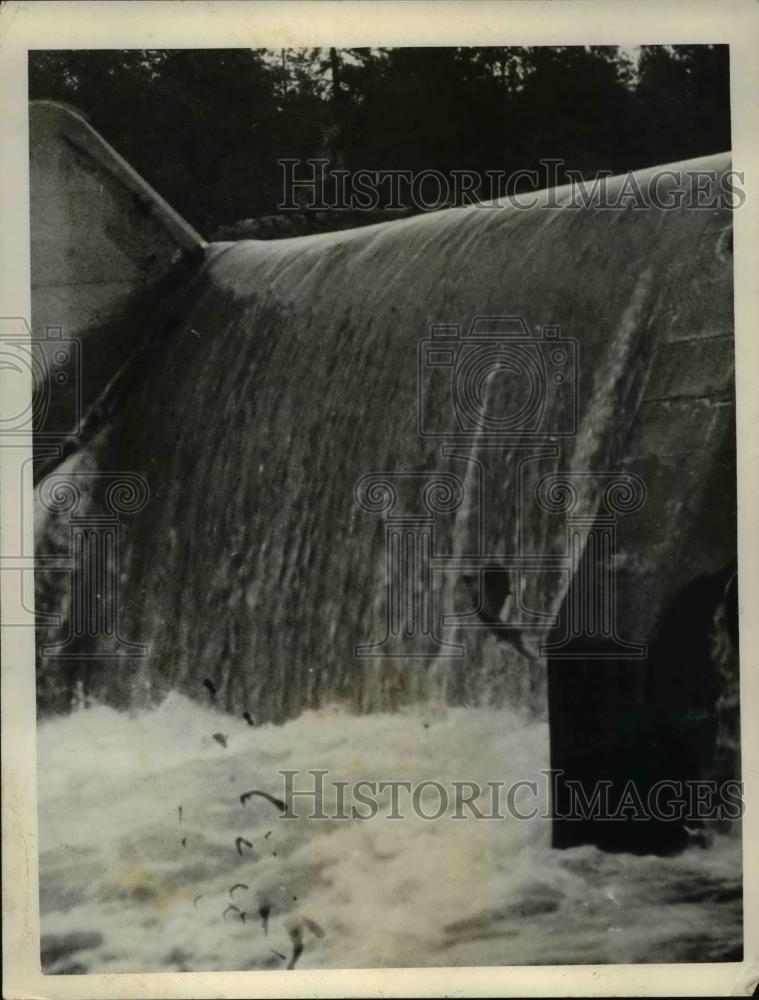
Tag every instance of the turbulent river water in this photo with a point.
(140, 811)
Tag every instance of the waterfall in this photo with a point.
(280, 374)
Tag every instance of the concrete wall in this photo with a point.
(101, 241)
(272, 376)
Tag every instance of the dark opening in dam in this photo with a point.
(671, 719)
(251, 385)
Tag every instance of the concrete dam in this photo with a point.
(484, 455)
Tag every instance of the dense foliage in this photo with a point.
(206, 127)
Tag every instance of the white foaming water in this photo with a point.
(128, 887)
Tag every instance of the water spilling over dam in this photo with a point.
(285, 412)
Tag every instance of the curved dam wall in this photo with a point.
(295, 417)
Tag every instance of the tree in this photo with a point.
(682, 102)
(207, 127)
